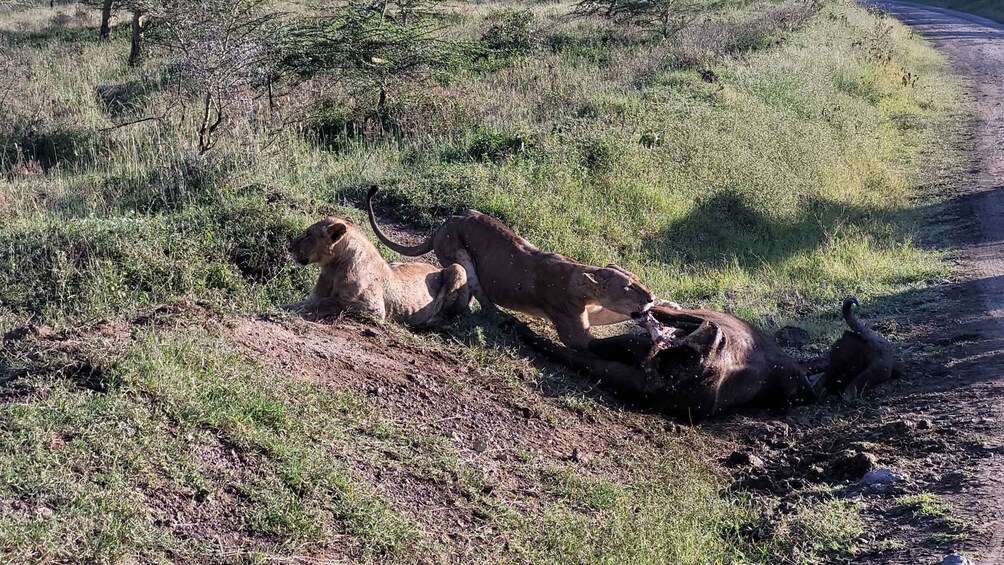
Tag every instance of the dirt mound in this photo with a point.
(495, 423)
(482, 413)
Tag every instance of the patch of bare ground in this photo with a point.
(504, 430)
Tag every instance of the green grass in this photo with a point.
(731, 207)
(932, 509)
(787, 181)
(924, 505)
(187, 440)
(986, 8)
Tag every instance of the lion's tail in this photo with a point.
(412, 251)
(855, 323)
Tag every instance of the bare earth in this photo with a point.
(975, 47)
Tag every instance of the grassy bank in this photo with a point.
(604, 149)
(764, 160)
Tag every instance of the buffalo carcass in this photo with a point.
(698, 363)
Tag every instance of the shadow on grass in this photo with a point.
(63, 35)
(122, 98)
(725, 228)
(47, 148)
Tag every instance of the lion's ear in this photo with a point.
(336, 231)
(597, 278)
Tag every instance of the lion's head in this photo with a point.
(317, 243)
(622, 291)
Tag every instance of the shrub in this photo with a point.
(497, 146)
(93, 266)
(510, 33)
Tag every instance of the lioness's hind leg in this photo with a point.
(451, 296)
(464, 259)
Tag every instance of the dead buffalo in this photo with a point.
(698, 363)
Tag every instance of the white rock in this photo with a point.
(882, 478)
(955, 559)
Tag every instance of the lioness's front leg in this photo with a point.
(310, 303)
(372, 305)
(573, 330)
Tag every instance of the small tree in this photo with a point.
(511, 32)
(106, 20)
(366, 50)
(108, 8)
(224, 52)
(138, 32)
(403, 12)
(663, 17)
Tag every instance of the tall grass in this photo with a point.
(774, 188)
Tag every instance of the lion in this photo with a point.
(506, 270)
(860, 359)
(355, 276)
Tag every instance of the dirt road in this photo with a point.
(975, 47)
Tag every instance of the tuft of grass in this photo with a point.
(670, 514)
(929, 507)
(924, 505)
(234, 252)
(815, 531)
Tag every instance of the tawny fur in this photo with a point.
(355, 276)
(506, 270)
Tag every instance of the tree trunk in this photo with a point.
(106, 19)
(138, 26)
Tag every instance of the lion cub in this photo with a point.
(354, 275)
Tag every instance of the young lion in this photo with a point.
(354, 275)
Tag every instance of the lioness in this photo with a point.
(354, 275)
(505, 269)
(861, 358)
